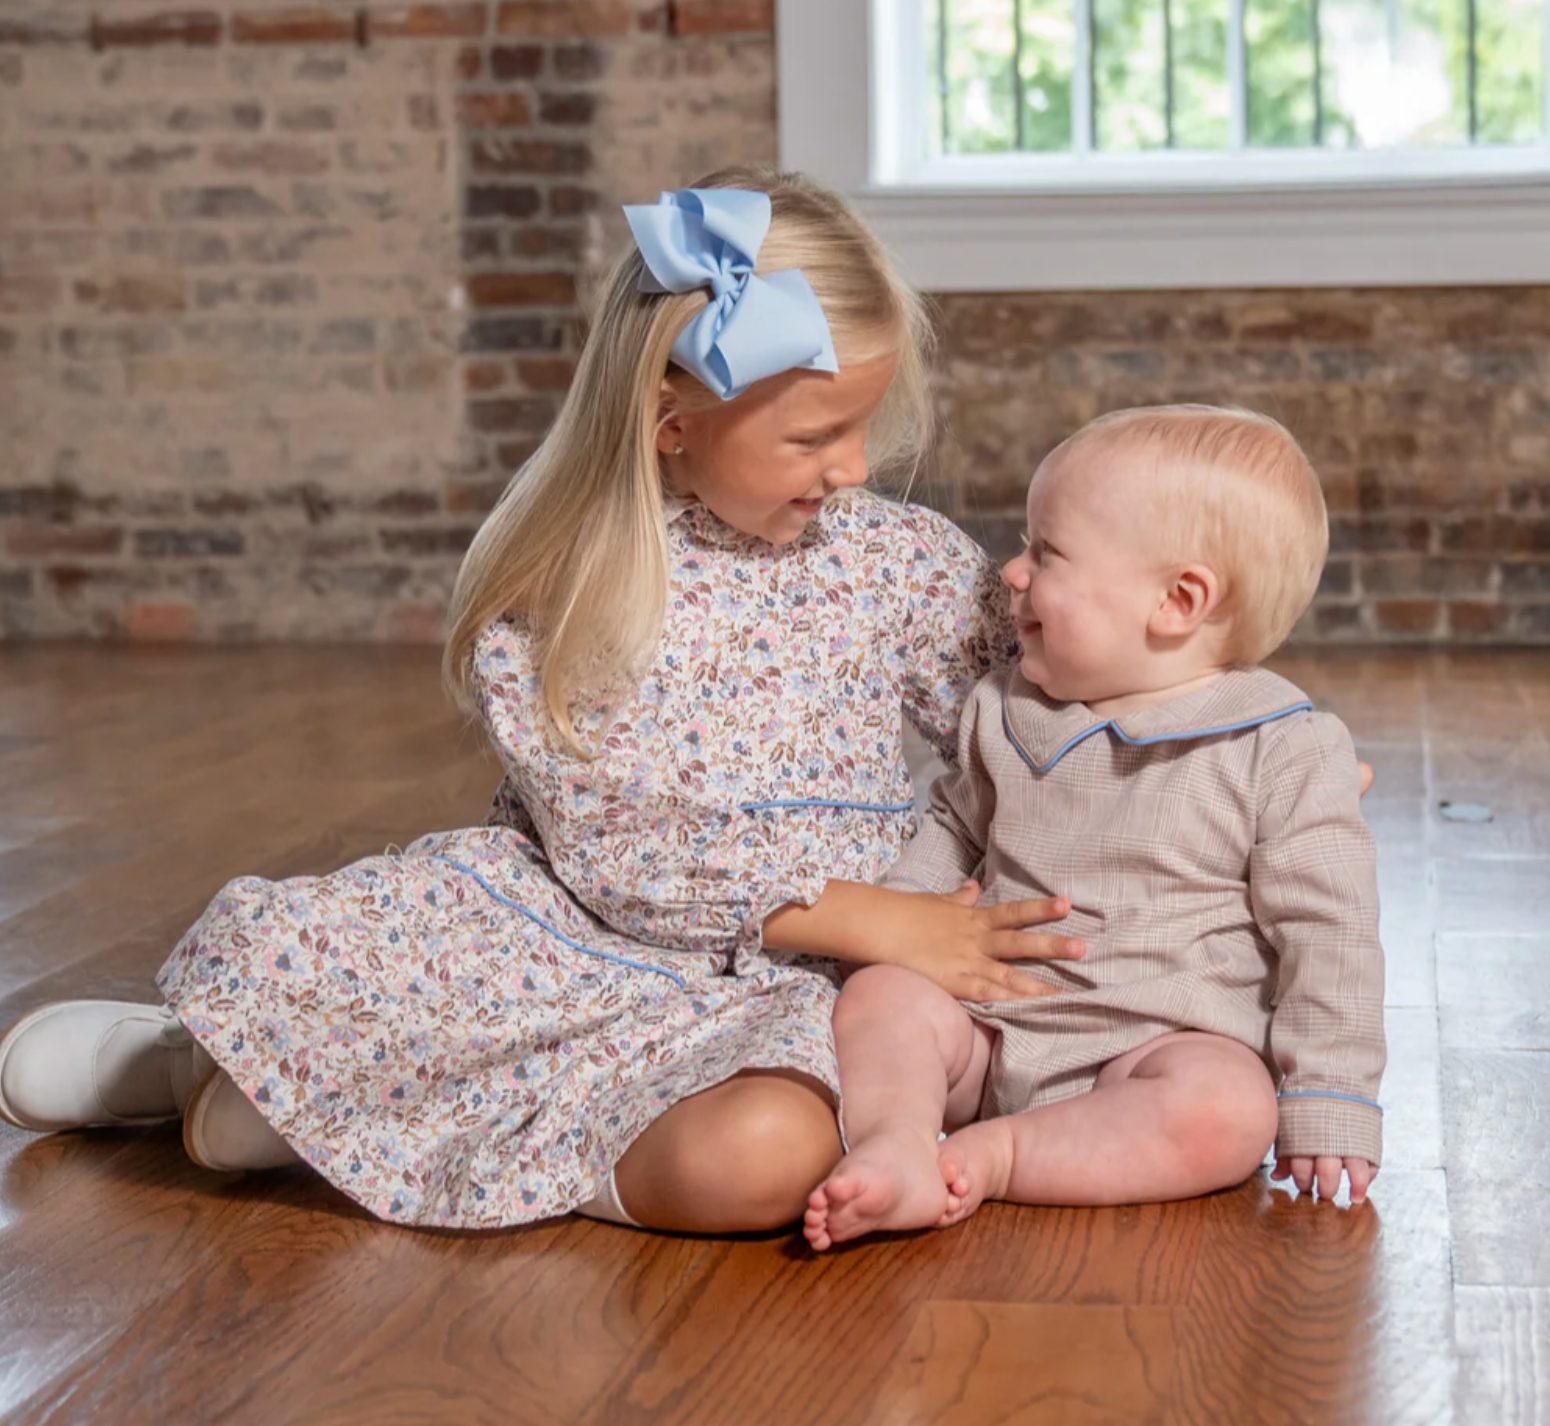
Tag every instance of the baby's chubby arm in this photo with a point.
(1313, 884)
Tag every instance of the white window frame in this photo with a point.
(1047, 223)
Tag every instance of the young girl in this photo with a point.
(1204, 820)
(689, 635)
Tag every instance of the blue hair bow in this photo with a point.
(754, 327)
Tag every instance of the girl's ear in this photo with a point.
(670, 432)
(1190, 599)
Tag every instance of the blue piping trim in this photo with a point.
(1082, 737)
(1328, 1094)
(555, 931)
(824, 802)
(912, 881)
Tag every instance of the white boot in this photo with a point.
(223, 1131)
(79, 1064)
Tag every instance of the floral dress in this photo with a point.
(472, 1032)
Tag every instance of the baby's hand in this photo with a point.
(1326, 1171)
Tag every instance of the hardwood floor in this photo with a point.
(136, 1288)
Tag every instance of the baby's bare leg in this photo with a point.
(910, 1057)
(1187, 1114)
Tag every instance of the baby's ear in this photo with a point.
(1190, 598)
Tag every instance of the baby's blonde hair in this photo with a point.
(1230, 489)
(577, 545)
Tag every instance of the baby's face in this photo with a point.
(1086, 586)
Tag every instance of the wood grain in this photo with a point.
(135, 1288)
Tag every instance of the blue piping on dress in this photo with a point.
(1188, 735)
(825, 802)
(555, 931)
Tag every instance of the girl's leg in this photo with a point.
(738, 1158)
(910, 1058)
(1187, 1114)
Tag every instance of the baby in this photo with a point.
(1201, 819)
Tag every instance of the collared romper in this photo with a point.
(1218, 868)
(471, 1033)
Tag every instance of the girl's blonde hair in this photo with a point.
(577, 544)
(1233, 490)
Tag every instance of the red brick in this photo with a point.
(36, 30)
(171, 27)
(475, 497)
(722, 17)
(513, 455)
(293, 27)
(134, 294)
(521, 289)
(28, 294)
(516, 61)
(568, 201)
(494, 111)
(546, 373)
(567, 18)
(528, 156)
(567, 108)
(1477, 619)
(428, 22)
(160, 623)
(470, 60)
(1408, 616)
(484, 376)
(44, 540)
(507, 413)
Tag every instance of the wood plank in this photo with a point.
(1496, 1127)
(967, 1363)
(1495, 992)
(1504, 1355)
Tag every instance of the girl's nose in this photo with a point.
(1014, 574)
(848, 470)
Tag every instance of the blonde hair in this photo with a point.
(1233, 490)
(577, 544)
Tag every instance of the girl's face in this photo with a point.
(766, 462)
(1084, 589)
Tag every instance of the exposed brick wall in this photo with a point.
(1426, 412)
(286, 290)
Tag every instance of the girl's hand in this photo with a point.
(1325, 1172)
(961, 946)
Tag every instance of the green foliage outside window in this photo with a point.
(1335, 74)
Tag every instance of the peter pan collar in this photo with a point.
(695, 522)
(1043, 731)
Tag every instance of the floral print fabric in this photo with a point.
(472, 1032)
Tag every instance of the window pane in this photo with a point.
(980, 105)
(1129, 91)
(1049, 48)
(1509, 48)
(1279, 59)
(1202, 106)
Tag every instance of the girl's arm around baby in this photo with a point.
(948, 939)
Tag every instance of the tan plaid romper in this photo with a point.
(1218, 868)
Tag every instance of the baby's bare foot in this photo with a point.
(975, 1164)
(888, 1182)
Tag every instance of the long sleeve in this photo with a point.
(950, 845)
(1313, 883)
(958, 625)
(647, 860)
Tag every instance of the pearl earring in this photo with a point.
(678, 450)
